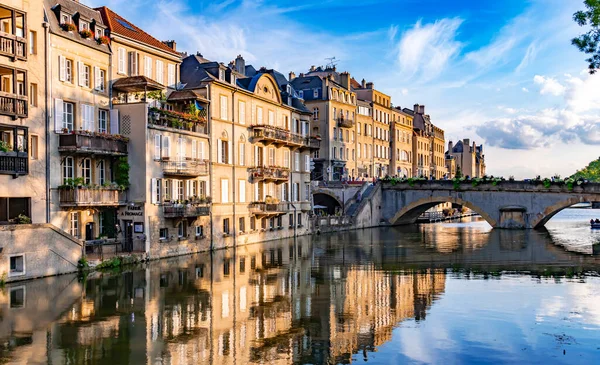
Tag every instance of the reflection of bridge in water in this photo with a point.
(289, 301)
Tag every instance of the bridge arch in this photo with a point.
(542, 218)
(409, 213)
(327, 199)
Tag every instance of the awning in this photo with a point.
(136, 84)
(187, 95)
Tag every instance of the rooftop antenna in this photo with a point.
(332, 62)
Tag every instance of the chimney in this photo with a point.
(369, 85)
(171, 44)
(240, 65)
(450, 145)
(416, 108)
(345, 80)
(466, 143)
(363, 84)
(301, 74)
(292, 76)
(474, 147)
(422, 109)
(312, 68)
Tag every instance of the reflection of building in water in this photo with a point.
(263, 303)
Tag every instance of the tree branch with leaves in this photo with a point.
(589, 43)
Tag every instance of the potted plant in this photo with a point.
(5, 147)
(68, 27)
(86, 33)
(104, 40)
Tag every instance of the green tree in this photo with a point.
(591, 172)
(589, 42)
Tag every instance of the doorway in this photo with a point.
(89, 231)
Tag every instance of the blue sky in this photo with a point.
(502, 73)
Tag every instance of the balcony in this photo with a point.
(179, 121)
(186, 168)
(345, 123)
(269, 174)
(94, 143)
(13, 105)
(185, 211)
(14, 163)
(86, 197)
(268, 209)
(13, 46)
(311, 143)
(268, 135)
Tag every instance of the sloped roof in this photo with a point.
(119, 25)
(186, 95)
(74, 8)
(355, 84)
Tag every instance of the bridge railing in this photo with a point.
(515, 186)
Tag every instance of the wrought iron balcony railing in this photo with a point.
(97, 143)
(183, 168)
(185, 211)
(88, 197)
(276, 174)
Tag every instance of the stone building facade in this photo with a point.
(467, 157)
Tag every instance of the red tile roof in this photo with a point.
(355, 84)
(115, 24)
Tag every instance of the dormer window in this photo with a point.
(99, 32)
(83, 26)
(233, 78)
(221, 74)
(65, 18)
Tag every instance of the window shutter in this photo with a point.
(242, 192)
(256, 197)
(58, 115)
(224, 191)
(230, 154)
(194, 149)
(242, 161)
(256, 156)
(242, 108)
(62, 68)
(306, 163)
(188, 188)
(153, 191)
(96, 78)
(92, 118)
(157, 146)
(201, 150)
(220, 151)
(79, 74)
(114, 121)
(166, 146)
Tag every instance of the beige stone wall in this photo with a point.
(32, 185)
(439, 159)
(59, 253)
(364, 146)
(421, 157)
(401, 135)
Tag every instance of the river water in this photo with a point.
(455, 293)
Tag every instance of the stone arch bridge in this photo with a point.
(510, 204)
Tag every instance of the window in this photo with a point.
(199, 231)
(271, 117)
(224, 191)
(315, 93)
(299, 219)
(99, 79)
(17, 265)
(163, 233)
(252, 223)
(166, 146)
(295, 192)
(33, 94)
(99, 32)
(306, 163)
(133, 63)
(242, 223)
(296, 161)
(68, 70)
(242, 112)
(102, 120)
(223, 104)
(259, 115)
(160, 72)
(271, 157)
(84, 75)
(242, 158)
(121, 61)
(291, 220)
(286, 159)
(171, 75)
(68, 169)
(32, 42)
(301, 94)
(17, 295)
(87, 117)
(86, 171)
(226, 226)
(65, 19)
(223, 151)
(74, 224)
(33, 147)
(242, 191)
(101, 172)
(316, 113)
(221, 74)
(182, 229)
(83, 26)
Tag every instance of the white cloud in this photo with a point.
(549, 85)
(425, 50)
(529, 57)
(525, 90)
(404, 91)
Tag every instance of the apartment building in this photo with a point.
(382, 120)
(428, 142)
(85, 143)
(260, 151)
(364, 140)
(328, 94)
(168, 204)
(402, 130)
(466, 158)
(23, 194)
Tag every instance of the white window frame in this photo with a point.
(242, 191)
(160, 72)
(171, 75)
(122, 61)
(225, 191)
(102, 120)
(74, 229)
(242, 112)
(223, 104)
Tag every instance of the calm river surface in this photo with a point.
(453, 293)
